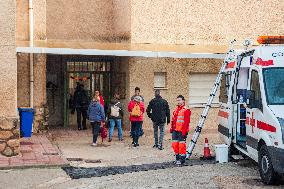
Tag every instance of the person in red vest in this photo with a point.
(179, 129)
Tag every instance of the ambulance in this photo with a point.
(251, 114)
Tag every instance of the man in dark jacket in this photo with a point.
(81, 103)
(159, 112)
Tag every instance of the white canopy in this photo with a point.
(122, 49)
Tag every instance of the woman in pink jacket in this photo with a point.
(136, 109)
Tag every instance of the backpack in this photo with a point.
(114, 110)
(84, 99)
(103, 132)
(136, 112)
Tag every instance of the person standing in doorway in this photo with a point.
(81, 103)
(115, 114)
(137, 93)
(136, 109)
(180, 129)
(96, 116)
(101, 98)
(159, 112)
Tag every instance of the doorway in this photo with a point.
(94, 74)
(104, 73)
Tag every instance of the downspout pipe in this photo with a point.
(31, 37)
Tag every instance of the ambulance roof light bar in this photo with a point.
(270, 39)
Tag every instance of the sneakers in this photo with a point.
(155, 146)
(135, 144)
(94, 144)
(178, 162)
(109, 140)
(182, 159)
(121, 139)
(160, 147)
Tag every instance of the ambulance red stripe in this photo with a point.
(265, 126)
(223, 114)
(261, 62)
(231, 65)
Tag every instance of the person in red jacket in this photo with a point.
(102, 101)
(136, 109)
(179, 129)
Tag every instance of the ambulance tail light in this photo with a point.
(281, 121)
(270, 39)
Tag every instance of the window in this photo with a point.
(224, 88)
(200, 86)
(160, 80)
(255, 87)
(274, 85)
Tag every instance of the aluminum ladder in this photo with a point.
(204, 114)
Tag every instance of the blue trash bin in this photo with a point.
(26, 121)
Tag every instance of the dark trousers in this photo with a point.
(136, 130)
(81, 112)
(96, 130)
(156, 127)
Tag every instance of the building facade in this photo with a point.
(161, 23)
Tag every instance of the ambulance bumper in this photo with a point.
(277, 155)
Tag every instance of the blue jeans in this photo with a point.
(112, 123)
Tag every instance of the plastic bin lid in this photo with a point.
(221, 146)
(26, 109)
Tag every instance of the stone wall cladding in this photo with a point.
(9, 136)
(204, 21)
(141, 74)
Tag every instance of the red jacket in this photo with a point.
(130, 108)
(185, 126)
(102, 101)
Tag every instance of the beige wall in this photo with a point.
(204, 21)
(107, 20)
(24, 80)
(22, 32)
(8, 62)
(141, 74)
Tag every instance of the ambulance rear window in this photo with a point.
(274, 85)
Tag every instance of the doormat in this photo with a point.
(81, 172)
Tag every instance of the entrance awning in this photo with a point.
(122, 49)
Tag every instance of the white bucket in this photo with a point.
(221, 151)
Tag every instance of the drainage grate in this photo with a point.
(26, 143)
(93, 161)
(50, 154)
(74, 159)
(81, 172)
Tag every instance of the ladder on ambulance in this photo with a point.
(204, 114)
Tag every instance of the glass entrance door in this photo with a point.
(94, 74)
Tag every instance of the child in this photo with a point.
(96, 116)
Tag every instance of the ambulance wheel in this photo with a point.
(267, 173)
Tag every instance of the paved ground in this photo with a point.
(231, 175)
(34, 151)
(75, 145)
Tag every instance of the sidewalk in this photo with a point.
(36, 151)
(76, 148)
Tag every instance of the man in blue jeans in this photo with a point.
(159, 112)
(115, 114)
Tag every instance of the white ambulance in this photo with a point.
(251, 115)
